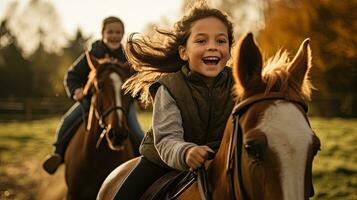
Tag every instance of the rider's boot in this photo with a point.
(64, 133)
(52, 163)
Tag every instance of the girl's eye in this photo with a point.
(222, 41)
(200, 41)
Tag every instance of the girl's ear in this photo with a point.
(247, 63)
(183, 53)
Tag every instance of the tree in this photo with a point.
(15, 71)
(37, 15)
(331, 25)
(69, 54)
(43, 66)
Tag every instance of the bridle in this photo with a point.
(235, 152)
(98, 110)
(101, 115)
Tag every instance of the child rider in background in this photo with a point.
(76, 77)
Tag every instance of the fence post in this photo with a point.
(28, 108)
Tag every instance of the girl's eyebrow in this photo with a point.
(205, 34)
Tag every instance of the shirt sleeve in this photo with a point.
(168, 131)
(77, 75)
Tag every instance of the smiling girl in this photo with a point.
(187, 81)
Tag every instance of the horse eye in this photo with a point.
(253, 150)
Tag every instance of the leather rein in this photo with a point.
(236, 140)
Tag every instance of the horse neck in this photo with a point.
(218, 168)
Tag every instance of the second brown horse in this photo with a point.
(101, 143)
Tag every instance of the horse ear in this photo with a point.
(301, 63)
(247, 63)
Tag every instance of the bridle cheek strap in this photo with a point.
(234, 159)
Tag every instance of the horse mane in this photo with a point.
(105, 67)
(117, 67)
(276, 77)
(96, 73)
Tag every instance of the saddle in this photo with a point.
(169, 186)
(173, 183)
(69, 133)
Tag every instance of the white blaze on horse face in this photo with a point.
(117, 82)
(289, 135)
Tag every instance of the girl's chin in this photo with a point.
(113, 46)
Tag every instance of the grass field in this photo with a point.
(23, 146)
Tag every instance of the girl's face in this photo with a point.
(207, 48)
(112, 35)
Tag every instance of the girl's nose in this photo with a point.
(212, 46)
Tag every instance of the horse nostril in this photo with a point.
(117, 136)
(111, 133)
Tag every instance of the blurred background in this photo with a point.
(39, 40)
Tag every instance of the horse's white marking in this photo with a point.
(289, 135)
(117, 82)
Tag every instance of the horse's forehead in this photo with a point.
(289, 136)
(115, 77)
(282, 122)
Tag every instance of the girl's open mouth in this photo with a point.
(211, 60)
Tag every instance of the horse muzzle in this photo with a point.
(116, 137)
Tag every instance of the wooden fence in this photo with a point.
(33, 108)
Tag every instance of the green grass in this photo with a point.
(23, 145)
(335, 167)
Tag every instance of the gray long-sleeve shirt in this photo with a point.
(168, 130)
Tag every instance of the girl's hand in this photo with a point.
(196, 156)
(78, 94)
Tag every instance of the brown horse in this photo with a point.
(268, 145)
(101, 143)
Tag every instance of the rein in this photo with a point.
(235, 152)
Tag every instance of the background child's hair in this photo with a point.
(154, 57)
(111, 19)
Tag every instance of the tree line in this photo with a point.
(39, 74)
(332, 27)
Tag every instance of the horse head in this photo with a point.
(109, 105)
(275, 145)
